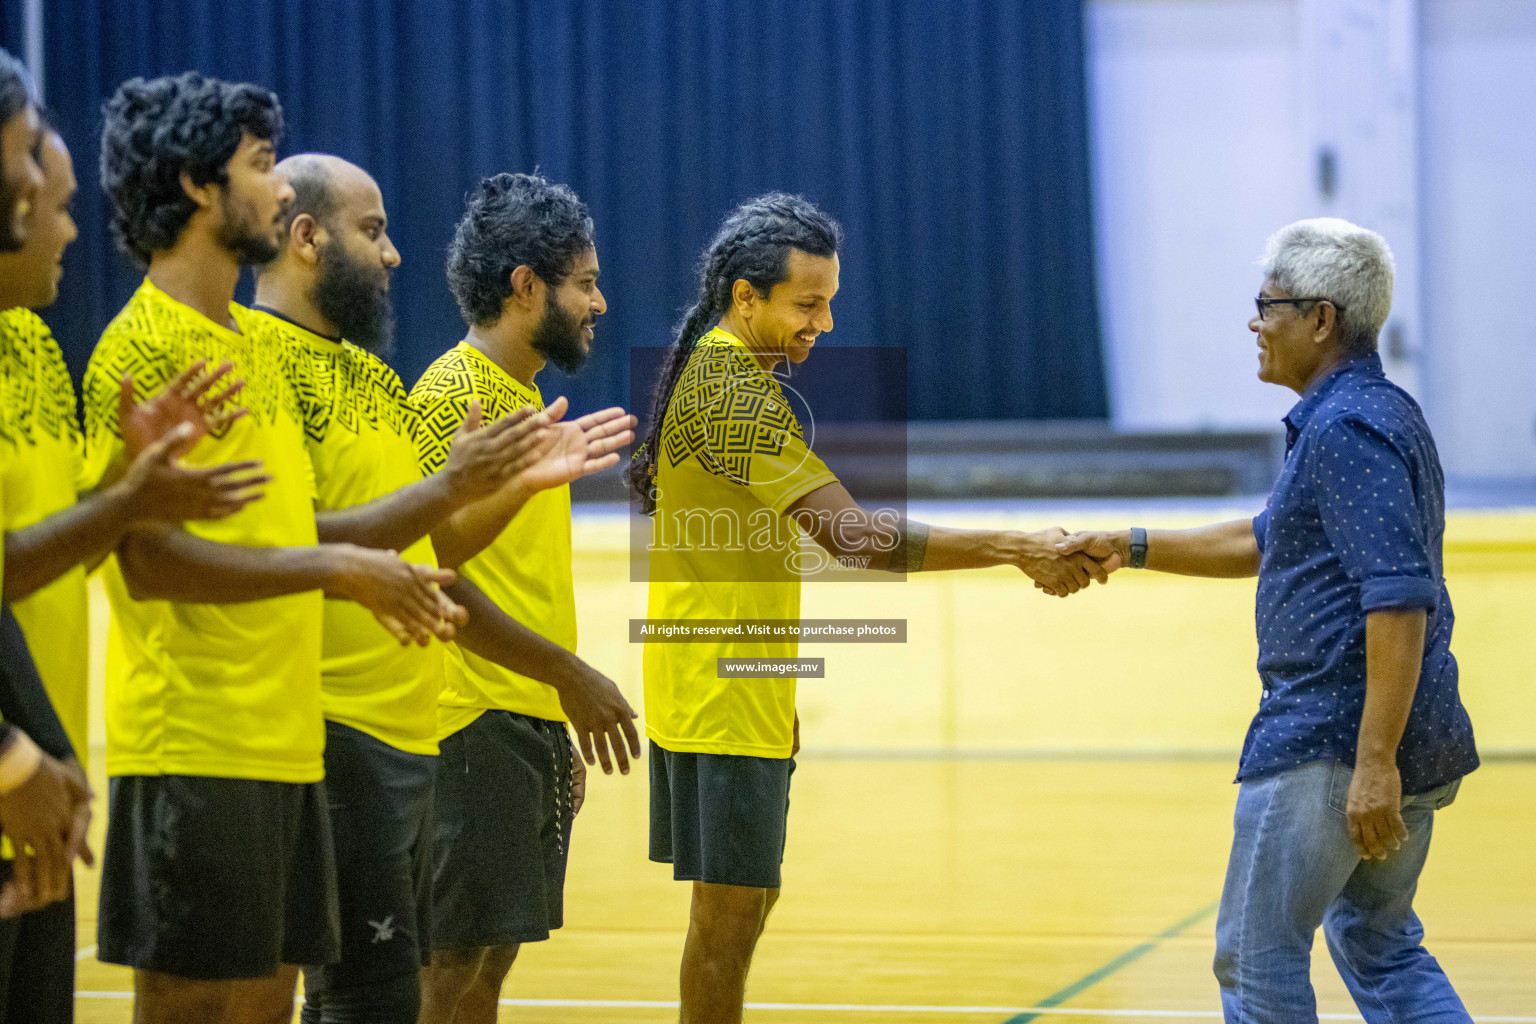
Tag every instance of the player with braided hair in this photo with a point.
(725, 452)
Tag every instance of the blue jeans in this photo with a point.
(1293, 868)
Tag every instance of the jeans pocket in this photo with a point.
(1446, 794)
(1338, 786)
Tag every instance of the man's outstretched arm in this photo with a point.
(1222, 550)
(844, 528)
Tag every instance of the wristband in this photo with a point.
(1138, 548)
(18, 763)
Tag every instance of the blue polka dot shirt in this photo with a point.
(1355, 524)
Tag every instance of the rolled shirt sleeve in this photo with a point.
(1261, 529)
(1365, 497)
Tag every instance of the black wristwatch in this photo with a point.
(1138, 548)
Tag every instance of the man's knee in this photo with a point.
(495, 965)
(726, 912)
(452, 971)
(168, 999)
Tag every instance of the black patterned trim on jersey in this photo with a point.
(155, 338)
(442, 396)
(724, 411)
(36, 396)
(341, 385)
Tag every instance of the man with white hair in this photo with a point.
(1360, 735)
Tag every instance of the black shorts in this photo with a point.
(217, 878)
(37, 964)
(720, 817)
(503, 832)
(381, 818)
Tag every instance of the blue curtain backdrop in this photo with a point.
(949, 138)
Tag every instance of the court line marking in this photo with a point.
(85, 954)
(1125, 959)
(640, 1004)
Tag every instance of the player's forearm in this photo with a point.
(169, 564)
(81, 534)
(908, 546)
(496, 636)
(978, 549)
(472, 529)
(393, 522)
(1394, 656)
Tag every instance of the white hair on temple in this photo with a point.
(1329, 258)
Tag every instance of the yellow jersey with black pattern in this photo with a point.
(224, 690)
(41, 464)
(360, 432)
(732, 460)
(526, 570)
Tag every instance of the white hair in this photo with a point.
(1329, 258)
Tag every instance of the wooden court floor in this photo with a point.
(971, 891)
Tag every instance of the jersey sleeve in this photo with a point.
(116, 355)
(754, 438)
(441, 402)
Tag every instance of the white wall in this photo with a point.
(1199, 153)
(1197, 157)
(1479, 213)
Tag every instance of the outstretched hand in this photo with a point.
(578, 448)
(1099, 553)
(1057, 572)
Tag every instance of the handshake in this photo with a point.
(1062, 564)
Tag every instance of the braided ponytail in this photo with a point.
(753, 244)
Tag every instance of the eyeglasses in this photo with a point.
(1263, 304)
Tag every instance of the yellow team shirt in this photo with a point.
(360, 430)
(41, 467)
(224, 690)
(731, 460)
(526, 570)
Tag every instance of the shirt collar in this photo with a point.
(274, 314)
(1368, 365)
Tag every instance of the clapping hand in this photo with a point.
(185, 400)
(579, 448)
(160, 430)
(485, 456)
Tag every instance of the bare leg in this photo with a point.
(166, 999)
(264, 1000)
(724, 924)
(482, 1001)
(444, 983)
